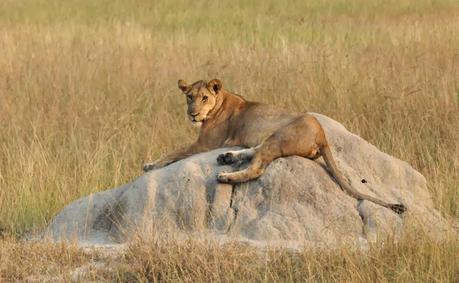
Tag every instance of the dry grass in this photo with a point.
(88, 93)
(156, 260)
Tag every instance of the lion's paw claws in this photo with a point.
(223, 177)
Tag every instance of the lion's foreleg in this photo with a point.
(173, 157)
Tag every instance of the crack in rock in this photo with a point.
(234, 209)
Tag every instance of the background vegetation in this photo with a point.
(88, 93)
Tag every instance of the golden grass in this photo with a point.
(159, 260)
(88, 92)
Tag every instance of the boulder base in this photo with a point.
(295, 202)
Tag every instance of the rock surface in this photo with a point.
(296, 201)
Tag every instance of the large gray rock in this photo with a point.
(296, 202)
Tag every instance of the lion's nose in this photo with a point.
(194, 114)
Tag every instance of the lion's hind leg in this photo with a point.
(236, 156)
(255, 170)
(261, 155)
(300, 137)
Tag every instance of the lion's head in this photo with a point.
(201, 98)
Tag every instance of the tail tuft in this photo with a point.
(398, 208)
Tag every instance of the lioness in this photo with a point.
(267, 133)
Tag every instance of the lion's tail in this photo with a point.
(330, 161)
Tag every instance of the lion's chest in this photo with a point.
(213, 136)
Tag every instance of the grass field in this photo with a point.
(88, 93)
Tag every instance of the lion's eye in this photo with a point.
(204, 98)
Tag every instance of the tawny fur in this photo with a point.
(268, 132)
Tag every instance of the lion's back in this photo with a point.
(259, 121)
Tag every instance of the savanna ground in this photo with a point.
(88, 93)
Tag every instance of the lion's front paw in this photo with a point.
(148, 167)
(227, 158)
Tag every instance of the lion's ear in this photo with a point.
(183, 86)
(215, 85)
